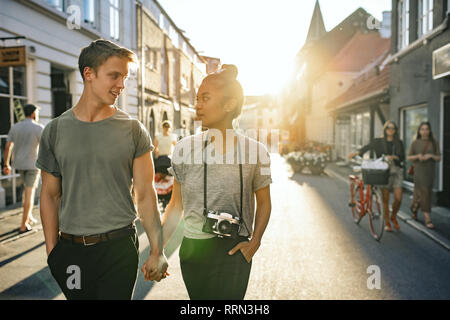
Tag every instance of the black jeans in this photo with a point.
(209, 273)
(106, 270)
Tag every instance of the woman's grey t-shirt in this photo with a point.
(95, 163)
(223, 181)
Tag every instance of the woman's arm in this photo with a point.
(173, 213)
(412, 156)
(415, 157)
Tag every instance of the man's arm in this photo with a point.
(147, 203)
(50, 199)
(263, 210)
(173, 213)
(7, 156)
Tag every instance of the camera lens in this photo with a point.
(224, 226)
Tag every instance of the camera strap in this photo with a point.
(205, 175)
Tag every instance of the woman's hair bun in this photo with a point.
(230, 70)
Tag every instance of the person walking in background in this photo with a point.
(23, 141)
(424, 152)
(165, 141)
(391, 146)
(214, 263)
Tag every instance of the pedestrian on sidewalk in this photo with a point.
(215, 262)
(89, 157)
(392, 147)
(23, 141)
(165, 141)
(424, 152)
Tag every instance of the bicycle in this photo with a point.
(362, 200)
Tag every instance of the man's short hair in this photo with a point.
(95, 54)
(167, 123)
(28, 109)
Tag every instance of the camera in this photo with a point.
(222, 224)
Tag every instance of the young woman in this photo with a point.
(392, 147)
(424, 152)
(208, 176)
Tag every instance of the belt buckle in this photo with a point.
(87, 244)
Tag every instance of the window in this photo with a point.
(425, 17)
(411, 119)
(15, 77)
(57, 4)
(114, 21)
(151, 58)
(403, 24)
(185, 82)
(89, 13)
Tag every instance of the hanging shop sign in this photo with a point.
(441, 62)
(12, 56)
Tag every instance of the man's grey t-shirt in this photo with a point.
(25, 135)
(95, 163)
(223, 183)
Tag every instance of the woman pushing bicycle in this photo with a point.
(392, 148)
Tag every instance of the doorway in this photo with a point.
(444, 196)
(61, 97)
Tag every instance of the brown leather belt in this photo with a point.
(97, 238)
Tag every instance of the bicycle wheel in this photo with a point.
(355, 202)
(376, 218)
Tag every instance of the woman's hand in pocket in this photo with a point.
(248, 249)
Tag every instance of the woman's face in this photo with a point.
(390, 129)
(210, 107)
(424, 131)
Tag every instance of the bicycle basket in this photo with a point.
(375, 172)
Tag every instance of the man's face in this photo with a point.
(109, 81)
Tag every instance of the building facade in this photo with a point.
(314, 83)
(173, 70)
(55, 31)
(419, 78)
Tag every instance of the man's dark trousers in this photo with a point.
(106, 270)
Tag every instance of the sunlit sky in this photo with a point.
(261, 37)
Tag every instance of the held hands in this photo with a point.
(155, 268)
(248, 249)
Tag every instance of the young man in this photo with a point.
(165, 141)
(90, 156)
(23, 140)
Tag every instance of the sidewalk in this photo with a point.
(439, 215)
(10, 220)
